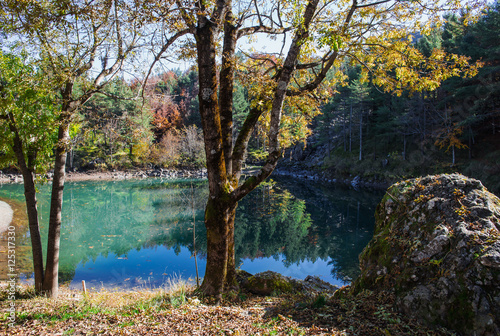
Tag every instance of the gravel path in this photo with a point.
(6, 214)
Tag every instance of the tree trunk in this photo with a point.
(216, 211)
(219, 222)
(226, 81)
(344, 133)
(224, 161)
(452, 155)
(71, 158)
(350, 129)
(360, 135)
(31, 205)
(231, 280)
(50, 284)
(36, 241)
(404, 147)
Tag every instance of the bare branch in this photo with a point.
(159, 55)
(373, 4)
(261, 29)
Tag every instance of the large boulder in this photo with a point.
(437, 247)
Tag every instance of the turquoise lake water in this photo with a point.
(139, 233)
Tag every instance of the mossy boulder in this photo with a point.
(270, 283)
(267, 283)
(436, 245)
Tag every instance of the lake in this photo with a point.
(139, 233)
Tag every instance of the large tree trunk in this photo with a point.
(219, 219)
(216, 212)
(27, 171)
(50, 284)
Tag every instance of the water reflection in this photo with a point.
(130, 233)
(343, 221)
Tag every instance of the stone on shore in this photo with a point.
(437, 247)
(270, 283)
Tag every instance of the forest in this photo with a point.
(361, 129)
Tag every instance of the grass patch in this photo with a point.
(72, 305)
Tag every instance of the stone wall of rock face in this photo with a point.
(437, 246)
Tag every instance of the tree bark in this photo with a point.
(50, 284)
(361, 134)
(36, 241)
(216, 211)
(231, 283)
(219, 219)
(27, 171)
(226, 81)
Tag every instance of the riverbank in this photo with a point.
(94, 175)
(176, 311)
(355, 182)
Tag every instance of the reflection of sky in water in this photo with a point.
(148, 268)
(153, 267)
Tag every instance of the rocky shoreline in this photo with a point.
(116, 175)
(356, 182)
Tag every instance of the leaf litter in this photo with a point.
(161, 312)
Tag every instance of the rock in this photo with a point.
(356, 182)
(437, 247)
(269, 283)
(313, 284)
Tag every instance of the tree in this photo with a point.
(283, 87)
(115, 116)
(27, 124)
(72, 37)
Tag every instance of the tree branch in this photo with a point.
(261, 29)
(241, 143)
(283, 79)
(321, 76)
(373, 4)
(252, 182)
(226, 87)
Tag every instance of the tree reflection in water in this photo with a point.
(107, 223)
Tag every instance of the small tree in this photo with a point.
(80, 42)
(27, 125)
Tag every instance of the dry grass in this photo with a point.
(173, 310)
